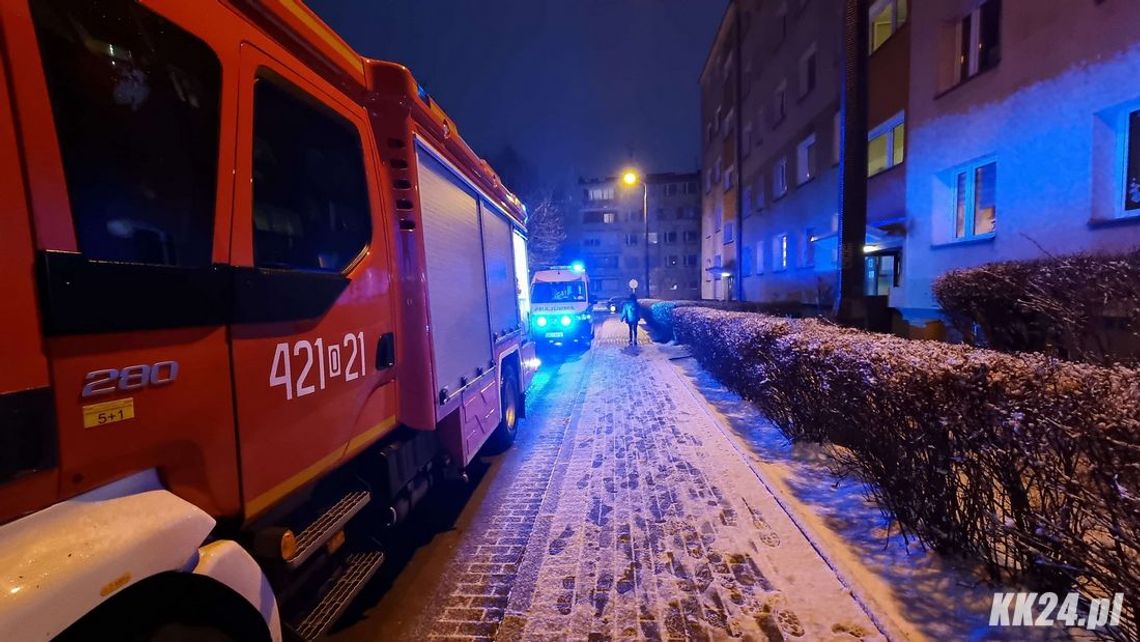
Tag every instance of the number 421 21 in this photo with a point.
(316, 363)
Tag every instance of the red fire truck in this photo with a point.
(258, 297)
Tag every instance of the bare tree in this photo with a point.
(547, 231)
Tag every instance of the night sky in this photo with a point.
(575, 86)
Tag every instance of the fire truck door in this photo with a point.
(312, 337)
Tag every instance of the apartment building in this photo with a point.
(1024, 135)
(609, 234)
(770, 110)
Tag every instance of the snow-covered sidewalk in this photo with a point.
(654, 526)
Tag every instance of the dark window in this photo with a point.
(310, 197)
(1132, 169)
(964, 47)
(135, 101)
(809, 73)
(989, 36)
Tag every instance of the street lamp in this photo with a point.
(630, 177)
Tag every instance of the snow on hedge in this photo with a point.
(1083, 307)
(1029, 463)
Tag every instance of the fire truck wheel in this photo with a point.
(172, 607)
(504, 435)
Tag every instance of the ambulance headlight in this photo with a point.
(566, 321)
(540, 322)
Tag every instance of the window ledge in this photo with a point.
(886, 171)
(951, 89)
(1123, 219)
(971, 240)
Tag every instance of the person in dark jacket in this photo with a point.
(630, 315)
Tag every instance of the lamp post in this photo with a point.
(630, 178)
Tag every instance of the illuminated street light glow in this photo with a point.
(629, 177)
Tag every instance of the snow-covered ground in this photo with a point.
(916, 593)
(643, 501)
(659, 529)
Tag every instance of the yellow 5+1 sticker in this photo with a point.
(108, 412)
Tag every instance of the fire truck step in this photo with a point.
(330, 523)
(358, 569)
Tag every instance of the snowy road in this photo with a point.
(623, 512)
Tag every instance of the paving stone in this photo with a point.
(637, 520)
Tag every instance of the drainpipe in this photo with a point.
(739, 150)
(850, 305)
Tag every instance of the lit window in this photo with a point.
(808, 71)
(886, 145)
(609, 217)
(780, 253)
(975, 200)
(887, 16)
(805, 160)
(780, 178)
(1132, 166)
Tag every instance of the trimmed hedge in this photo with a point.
(1081, 307)
(658, 314)
(1028, 463)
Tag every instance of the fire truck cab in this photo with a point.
(259, 298)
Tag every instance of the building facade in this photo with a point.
(998, 130)
(770, 131)
(610, 235)
(1024, 135)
